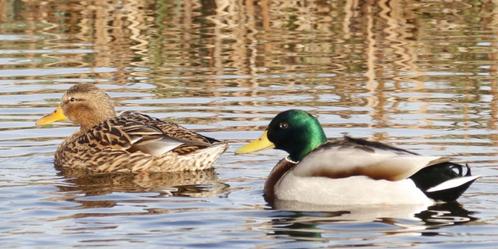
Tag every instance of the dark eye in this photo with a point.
(283, 125)
(72, 99)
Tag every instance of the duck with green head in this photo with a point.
(351, 171)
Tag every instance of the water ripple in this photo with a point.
(421, 76)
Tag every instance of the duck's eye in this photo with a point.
(283, 125)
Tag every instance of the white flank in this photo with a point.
(453, 183)
(355, 190)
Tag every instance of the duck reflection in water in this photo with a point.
(332, 222)
(203, 183)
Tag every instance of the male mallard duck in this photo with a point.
(130, 142)
(350, 170)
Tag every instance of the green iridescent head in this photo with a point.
(294, 131)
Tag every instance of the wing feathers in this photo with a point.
(170, 129)
(399, 167)
(344, 159)
(133, 132)
(156, 146)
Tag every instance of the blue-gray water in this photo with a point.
(418, 74)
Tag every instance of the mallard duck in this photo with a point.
(351, 171)
(130, 142)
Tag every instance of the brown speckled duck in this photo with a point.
(130, 142)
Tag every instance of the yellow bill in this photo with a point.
(256, 145)
(55, 116)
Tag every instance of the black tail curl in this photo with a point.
(436, 174)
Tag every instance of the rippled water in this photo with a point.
(418, 74)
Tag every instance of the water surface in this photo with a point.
(417, 74)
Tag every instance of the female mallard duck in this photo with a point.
(130, 142)
(351, 171)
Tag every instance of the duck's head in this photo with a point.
(294, 131)
(83, 104)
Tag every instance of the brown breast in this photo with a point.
(276, 173)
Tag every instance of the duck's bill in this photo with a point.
(256, 145)
(55, 116)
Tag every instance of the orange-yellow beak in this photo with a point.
(55, 116)
(256, 145)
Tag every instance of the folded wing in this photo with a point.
(352, 157)
(132, 131)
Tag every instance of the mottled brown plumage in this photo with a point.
(130, 142)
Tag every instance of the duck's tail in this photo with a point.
(444, 181)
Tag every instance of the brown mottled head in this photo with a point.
(86, 105)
